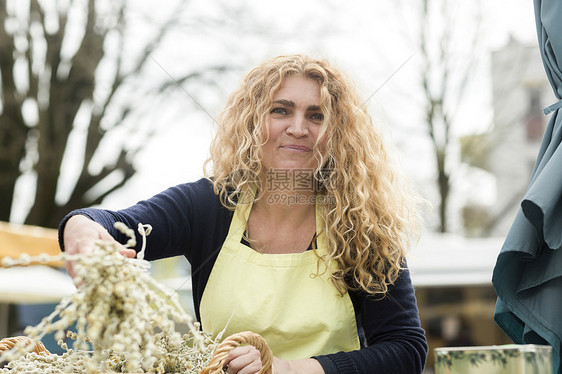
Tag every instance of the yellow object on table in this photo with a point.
(498, 359)
(34, 240)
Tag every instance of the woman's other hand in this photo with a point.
(80, 234)
(244, 360)
(247, 360)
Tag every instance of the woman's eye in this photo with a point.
(317, 116)
(279, 111)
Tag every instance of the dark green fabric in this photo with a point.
(528, 273)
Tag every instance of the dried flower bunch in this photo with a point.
(125, 320)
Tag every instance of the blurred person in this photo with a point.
(300, 228)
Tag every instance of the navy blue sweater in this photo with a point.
(189, 220)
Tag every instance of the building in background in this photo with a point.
(520, 91)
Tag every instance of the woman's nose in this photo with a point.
(298, 127)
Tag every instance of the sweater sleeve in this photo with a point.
(396, 343)
(170, 213)
(187, 220)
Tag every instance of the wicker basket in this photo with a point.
(217, 361)
(8, 343)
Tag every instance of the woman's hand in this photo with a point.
(247, 360)
(244, 360)
(80, 234)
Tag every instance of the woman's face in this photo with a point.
(295, 121)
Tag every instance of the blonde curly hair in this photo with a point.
(369, 211)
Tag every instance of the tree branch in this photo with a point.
(178, 82)
(13, 131)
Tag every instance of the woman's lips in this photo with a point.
(296, 148)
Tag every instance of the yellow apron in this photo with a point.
(277, 296)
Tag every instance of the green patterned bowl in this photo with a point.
(497, 359)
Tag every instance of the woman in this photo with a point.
(299, 232)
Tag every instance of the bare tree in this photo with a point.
(60, 72)
(448, 54)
